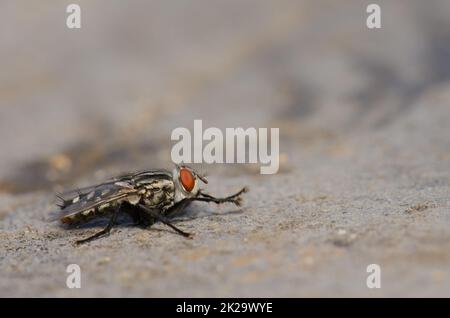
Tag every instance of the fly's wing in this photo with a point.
(69, 195)
(130, 178)
(100, 195)
(88, 198)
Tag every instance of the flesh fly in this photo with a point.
(147, 196)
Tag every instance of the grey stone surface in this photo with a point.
(364, 139)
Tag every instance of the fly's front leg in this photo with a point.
(162, 219)
(234, 198)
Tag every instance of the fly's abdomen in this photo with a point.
(86, 215)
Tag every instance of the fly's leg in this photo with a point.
(106, 230)
(162, 219)
(234, 198)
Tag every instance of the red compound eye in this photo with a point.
(187, 179)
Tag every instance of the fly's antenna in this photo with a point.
(202, 176)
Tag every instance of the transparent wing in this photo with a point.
(70, 194)
(126, 177)
(95, 197)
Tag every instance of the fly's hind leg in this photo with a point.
(106, 230)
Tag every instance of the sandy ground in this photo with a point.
(364, 140)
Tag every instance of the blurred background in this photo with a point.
(364, 143)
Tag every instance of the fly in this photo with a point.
(147, 196)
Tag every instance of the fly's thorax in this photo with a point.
(158, 192)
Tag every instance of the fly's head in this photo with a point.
(186, 182)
